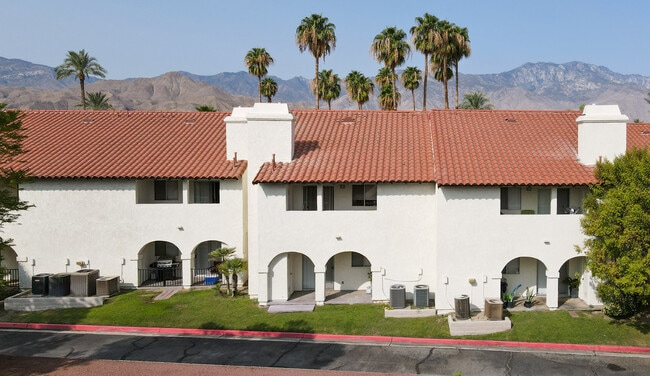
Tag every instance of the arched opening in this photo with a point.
(290, 273)
(525, 272)
(159, 264)
(10, 267)
(571, 273)
(204, 271)
(348, 271)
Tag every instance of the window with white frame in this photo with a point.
(166, 190)
(510, 198)
(364, 195)
(206, 192)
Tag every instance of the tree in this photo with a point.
(476, 100)
(461, 49)
(423, 34)
(233, 267)
(411, 77)
(258, 60)
(387, 97)
(391, 48)
(81, 66)
(617, 224)
(329, 86)
(11, 138)
(97, 101)
(268, 88)
(316, 34)
(205, 108)
(444, 50)
(219, 257)
(359, 87)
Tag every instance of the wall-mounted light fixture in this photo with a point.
(180, 228)
(33, 262)
(342, 186)
(339, 238)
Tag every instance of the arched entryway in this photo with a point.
(159, 264)
(526, 272)
(348, 271)
(571, 275)
(290, 272)
(10, 265)
(203, 270)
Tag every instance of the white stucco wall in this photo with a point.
(98, 221)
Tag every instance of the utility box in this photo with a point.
(40, 284)
(84, 282)
(60, 284)
(461, 305)
(421, 296)
(493, 309)
(107, 286)
(398, 296)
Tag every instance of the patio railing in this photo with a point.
(11, 277)
(204, 277)
(161, 277)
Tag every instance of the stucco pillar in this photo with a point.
(263, 287)
(375, 282)
(319, 274)
(187, 272)
(552, 280)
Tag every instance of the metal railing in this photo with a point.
(204, 276)
(10, 277)
(161, 277)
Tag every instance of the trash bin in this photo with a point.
(40, 283)
(398, 296)
(461, 305)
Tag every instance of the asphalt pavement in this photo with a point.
(130, 351)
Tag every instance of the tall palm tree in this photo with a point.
(268, 88)
(329, 86)
(97, 101)
(359, 87)
(384, 79)
(410, 78)
(423, 35)
(316, 34)
(386, 95)
(462, 49)
(258, 60)
(81, 66)
(476, 100)
(444, 35)
(391, 48)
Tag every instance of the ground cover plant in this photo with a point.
(209, 309)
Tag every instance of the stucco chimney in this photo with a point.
(602, 133)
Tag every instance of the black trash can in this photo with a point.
(60, 284)
(398, 296)
(40, 284)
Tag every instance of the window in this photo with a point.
(512, 267)
(563, 201)
(165, 190)
(328, 197)
(544, 201)
(510, 198)
(358, 260)
(364, 195)
(206, 192)
(309, 197)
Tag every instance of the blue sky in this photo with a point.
(132, 38)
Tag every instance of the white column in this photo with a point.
(377, 294)
(319, 274)
(263, 287)
(187, 271)
(552, 280)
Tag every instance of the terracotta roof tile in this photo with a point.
(638, 135)
(127, 144)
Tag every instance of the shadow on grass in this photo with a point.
(297, 326)
(211, 325)
(640, 322)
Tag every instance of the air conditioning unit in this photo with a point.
(40, 283)
(60, 284)
(493, 309)
(107, 286)
(461, 305)
(83, 282)
(421, 296)
(397, 296)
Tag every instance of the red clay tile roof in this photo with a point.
(638, 135)
(356, 146)
(474, 147)
(127, 144)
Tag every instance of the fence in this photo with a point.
(161, 277)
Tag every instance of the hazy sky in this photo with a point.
(132, 38)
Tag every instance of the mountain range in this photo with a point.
(534, 86)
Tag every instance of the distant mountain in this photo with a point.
(536, 86)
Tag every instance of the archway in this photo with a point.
(159, 264)
(348, 271)
(290, 272)
(525, 272)
(10, 265)
(203, 270)
(571, 275)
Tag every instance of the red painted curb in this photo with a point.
(329, 337)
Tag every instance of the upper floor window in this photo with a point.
(166, 190)
(364, 195)
(510, 198)
(206, 192)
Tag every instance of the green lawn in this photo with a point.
(207, 309)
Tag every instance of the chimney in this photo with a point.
(602, 133)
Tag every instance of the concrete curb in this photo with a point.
(330, 337)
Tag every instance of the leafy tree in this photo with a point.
(476, 100)
(205, 108)
(268, 88)
(329, 86)
(386, 95)
(391, 48)
(316, 34)
(423, 34)
(411, 77)
(258, 60)
(359, 87)
(81, 66)
(97, 101)
(461, 49)
(617, 223)
(11, 138)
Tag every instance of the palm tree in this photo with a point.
(329, 86)
(411, 77)
(316, 34)
(205, 108)
(386, 95)
(219, 257)
(423, 39)
(233, 267)
(462, 49)
(476, 100)
(97, 101)
(81, 66)
(359, 87)
(391, 48)
(444, 49)
(268, 88)
(258, 60)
